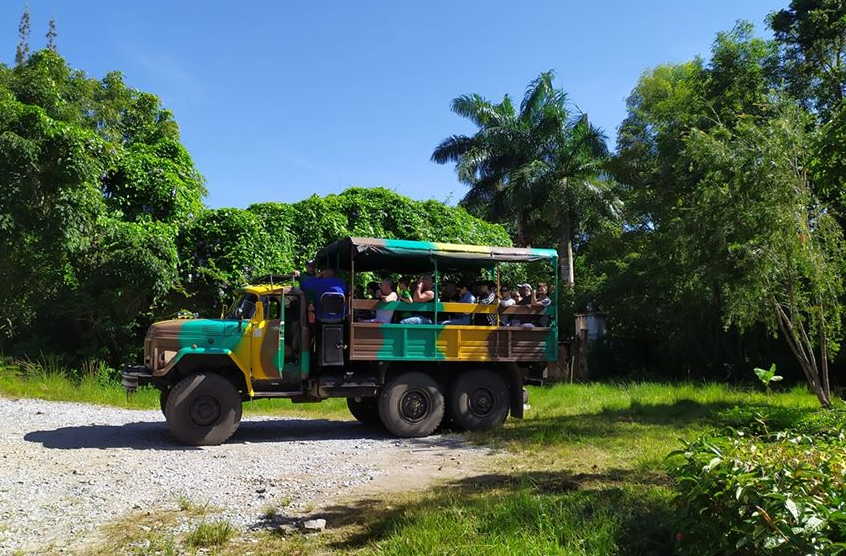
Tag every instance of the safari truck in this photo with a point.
(410, 378)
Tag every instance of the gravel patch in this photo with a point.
(67, 468)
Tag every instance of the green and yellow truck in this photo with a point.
(409, 378)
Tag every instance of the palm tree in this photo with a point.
(539, 166)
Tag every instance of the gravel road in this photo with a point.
(67, 468)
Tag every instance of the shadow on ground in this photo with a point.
(155, 435)
(620, 423)
(617, 511)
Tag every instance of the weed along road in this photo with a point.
(67, 469)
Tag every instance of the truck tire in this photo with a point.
(365, 410)
(163, 393)
(203, 409)
(478, 400)
(411, 405)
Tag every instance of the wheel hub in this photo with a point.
(481, 402)
(414, 406)
(205, 410)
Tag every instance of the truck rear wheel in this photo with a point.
(478, 400)
(411, 405)
(365, 410)
(203, 409)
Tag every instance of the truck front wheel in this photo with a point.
(203, 409)
(478, 400)
(365, 410)
(411, 405)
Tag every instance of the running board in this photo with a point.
(277, 394)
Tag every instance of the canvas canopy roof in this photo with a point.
(420, 256)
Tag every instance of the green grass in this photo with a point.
(212, 533)
(585, 474)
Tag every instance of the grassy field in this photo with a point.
(583, 473)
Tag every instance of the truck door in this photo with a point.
(293, 342)
(268, 351)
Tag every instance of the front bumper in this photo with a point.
(134, 376)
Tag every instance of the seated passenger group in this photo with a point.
(422, 291)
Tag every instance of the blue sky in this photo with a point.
(279, 100)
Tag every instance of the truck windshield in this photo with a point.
(244, 307)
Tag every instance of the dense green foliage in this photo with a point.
(732, 220)
(96, 184)
(773, 485)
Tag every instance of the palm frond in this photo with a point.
(452, 149)
(536, 94)
(476, 109)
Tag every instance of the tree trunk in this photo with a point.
(521, 231)
(802, 348)
(565, 253)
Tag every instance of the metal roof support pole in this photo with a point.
(350, 314)
(437, 292)
(555, 324)
(497, 294)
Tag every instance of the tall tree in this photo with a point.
(536, 166)
(812, 34)
(755, 223)
(51, 35)
(22, 51)
(95, 185)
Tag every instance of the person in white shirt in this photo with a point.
(386, 294)
(505, 300)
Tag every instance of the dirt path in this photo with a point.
(67, 468)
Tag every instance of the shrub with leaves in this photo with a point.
(782, 493)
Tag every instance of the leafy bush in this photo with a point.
(781, 493)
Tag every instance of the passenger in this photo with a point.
(449, 293)
(515, 295)
(505, 299)
(386, 294)
(524, 292)
(542, 299)
(404, 295)
(423, 293)
(465, 296)
(315, 286)
(403, 291)
(487, 296)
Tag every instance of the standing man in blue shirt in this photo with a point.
(315, 286)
